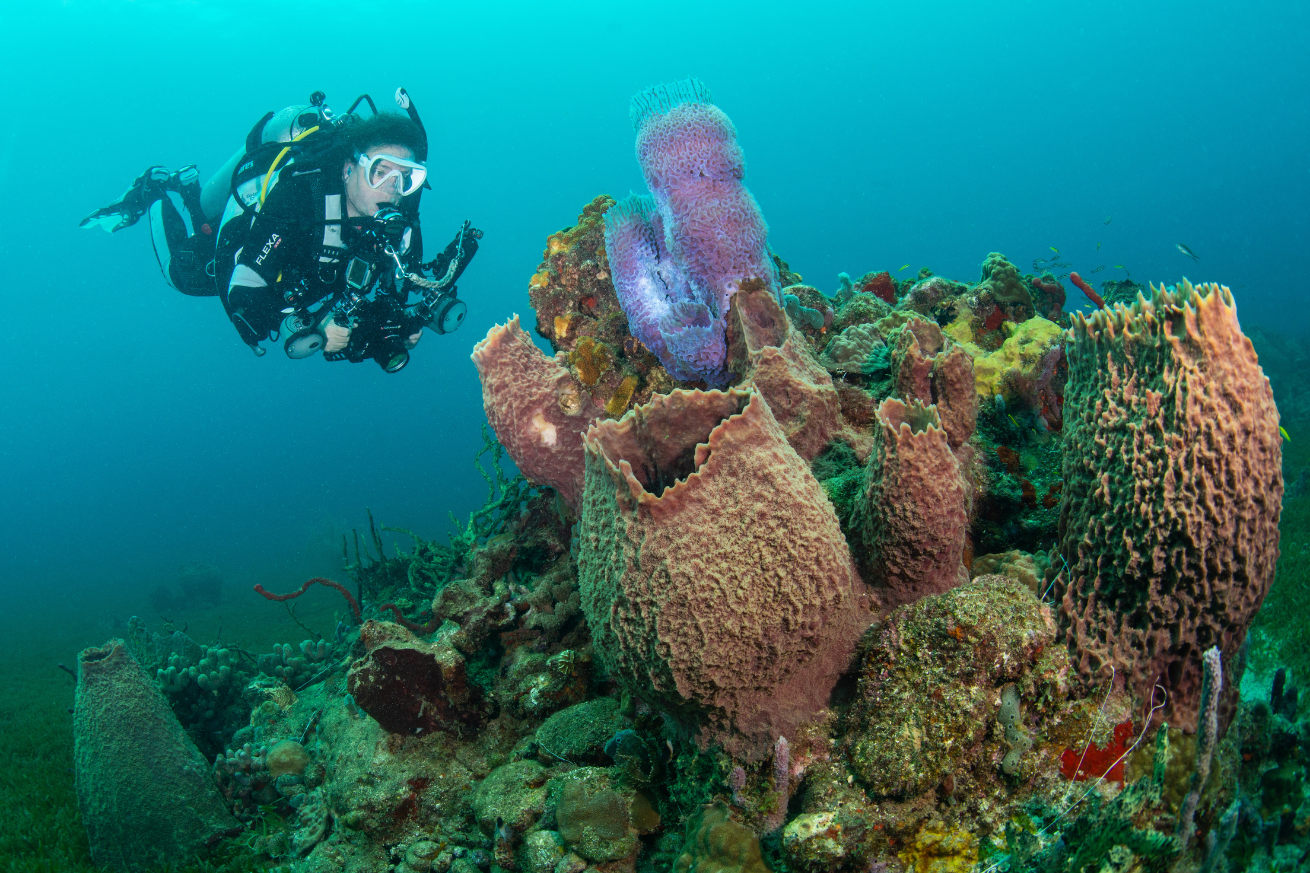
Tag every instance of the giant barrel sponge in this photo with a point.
(713, 572)
(1173, 488)
(148, 799)
(678, 256)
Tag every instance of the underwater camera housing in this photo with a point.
(381, 326)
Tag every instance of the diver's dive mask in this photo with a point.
(381, 169)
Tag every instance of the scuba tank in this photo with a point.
(281, 127)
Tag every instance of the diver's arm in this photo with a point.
(253, 303)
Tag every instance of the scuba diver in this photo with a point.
(317, 234)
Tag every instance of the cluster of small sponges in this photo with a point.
(535, 407)
(713, 572)
(1172, 491)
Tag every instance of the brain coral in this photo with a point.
(1172, 492)
(536, 408)
(713, 572)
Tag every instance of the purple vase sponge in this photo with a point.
(681, 330)
(689, 156)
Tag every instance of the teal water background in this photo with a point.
(137, 433)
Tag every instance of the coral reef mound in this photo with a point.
(713, 573)
(1172, 495)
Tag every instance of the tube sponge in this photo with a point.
(678, 256)
(652, 289)
(146, 795)
(688, 151)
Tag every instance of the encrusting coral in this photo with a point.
(714, 576)
(1172, 494)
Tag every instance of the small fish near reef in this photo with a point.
(1108, 220)
(1054, 249)
(902, 269)
(1185, 250)
(1282, 430)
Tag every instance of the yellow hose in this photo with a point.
(263, 189)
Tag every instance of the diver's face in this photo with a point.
(363, 200)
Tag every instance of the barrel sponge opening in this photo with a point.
(713, 572)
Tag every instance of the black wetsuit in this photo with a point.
(298, 251)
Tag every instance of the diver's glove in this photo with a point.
(254, 313)
(136, 200)
(338, 336)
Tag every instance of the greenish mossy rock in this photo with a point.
(598, 818)
(1002, 279)
(718, 844)
(578, 734)
(930, 682)
(514, 793)
(146, 795)
(860, 309)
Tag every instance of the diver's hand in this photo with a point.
(413, 338)
(338, 337)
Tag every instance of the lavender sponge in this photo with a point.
(652, 288)
(678, 256)
(689, 156)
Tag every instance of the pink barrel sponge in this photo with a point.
(713, 571)
(536, 408)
